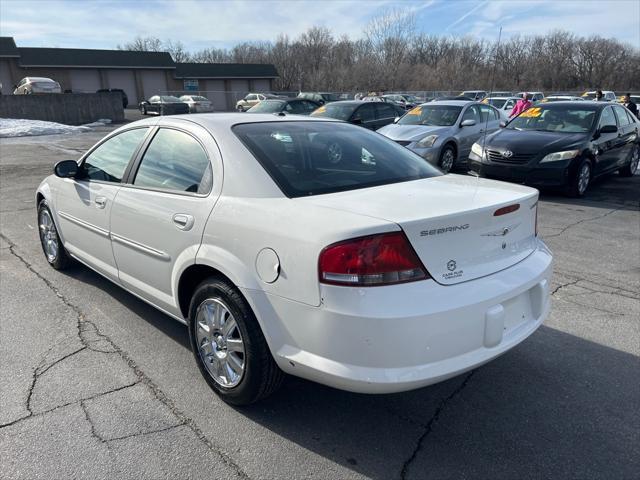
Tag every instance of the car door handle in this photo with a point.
(183, 221)
(100, 202)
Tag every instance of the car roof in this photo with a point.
(40, 79)
(456, 103)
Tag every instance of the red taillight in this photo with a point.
(374, 260)
(507, 209)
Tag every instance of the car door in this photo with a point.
(627, 134)
(365, 116)
(468, 135)
(385, 114)
(159, 215)
(489, 120)
(84, 204)
(608, 144)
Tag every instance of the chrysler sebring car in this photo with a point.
(442, 132)
(374, 273)
(561, 144)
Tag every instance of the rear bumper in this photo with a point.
(553, 174)
(402, 337)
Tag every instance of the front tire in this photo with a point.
(54, 252)
(630, 170)
(580, 181)
(228, 345)
(143, 110)
(239, 108)
(447, 158)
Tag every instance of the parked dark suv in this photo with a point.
(371, 115)
(561, 144)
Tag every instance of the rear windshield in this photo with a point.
(432, 115)
(313, 158)
(334, 110)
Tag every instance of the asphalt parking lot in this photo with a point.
(97, 384)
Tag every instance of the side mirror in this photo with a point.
(503, 124)
(395, 120)
(609, 129)
(66, 169)
(468, 123)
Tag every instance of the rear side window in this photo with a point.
(108, 162)
(365, 113)
(313, 158)
(175, 161)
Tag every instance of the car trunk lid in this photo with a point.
(453, 222)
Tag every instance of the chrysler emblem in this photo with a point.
(507, 154)
(502, 232)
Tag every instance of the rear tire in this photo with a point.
(630, 170)
(239, 108)
(580, 181)
(52, 247)
(212, 344)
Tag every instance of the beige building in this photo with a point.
(139, 74)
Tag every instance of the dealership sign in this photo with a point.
(191, 85)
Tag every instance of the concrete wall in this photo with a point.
(67, 108)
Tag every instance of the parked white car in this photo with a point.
(503, 104)
(607, 95)
(31, 85)
(374, 273)
(197, 103)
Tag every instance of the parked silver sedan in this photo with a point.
(197, 103)
(31, 85)
(443, 132)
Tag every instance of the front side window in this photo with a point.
(471, 113)
(108, 161)
(175, 161)
(365, 113)
(385, 111)
(621, 113)
(313, 158)
(607, 118)
(250, 98)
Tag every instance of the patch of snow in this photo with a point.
(18, 127)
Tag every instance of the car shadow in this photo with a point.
(555, 406)
(609, 191)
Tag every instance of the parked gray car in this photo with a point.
(442, 132)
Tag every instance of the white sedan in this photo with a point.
(197, 103)
(370, 271)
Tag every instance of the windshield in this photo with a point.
(170, 99)
(432, 115)
(313, 158)
(330, 97)
(498, 103)
(332, 110)
(268, 106)
(555, 118)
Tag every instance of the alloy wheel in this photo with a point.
(48, 235)
(447, 160)
(583, 178)
(635, 159)
(220, 343)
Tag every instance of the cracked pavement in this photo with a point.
(96, 384)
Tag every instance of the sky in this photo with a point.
(220, 23)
